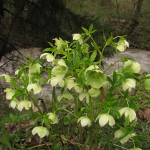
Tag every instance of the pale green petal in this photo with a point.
(95, 78)
(85, 121)
(94, 92)
(92, 67)
(147, 83)
(53, 117)
(43, 56)
(125, 139)
(131, 113)
(71, 85)
(126, 43)
(131, 83)
(24, 104)
(48, 57)
(128, 63)
(61, 62)
(7, 77)
(118, 133)
(13, 103)
(36, 88)
(9, 93)
(35, 68)
(56, 80)
(121, 47)
(103, 120)
(65, 95)
(82, 96)
(59, 71)
(61, 83)
(136, 67)
(41, 131)
(111, 121)
(76, 36)
(122, 110)
(78, 89)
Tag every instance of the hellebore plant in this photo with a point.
(88, 97)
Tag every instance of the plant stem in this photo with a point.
(80, 131)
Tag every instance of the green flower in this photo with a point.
(94, 92)
(56, 80)
(69, 83)
(120, 133)
(91, 67)
(6, 77)
(48, 57)
(135, 148)
(35, 68)
(61, 69)
(78, 89)
(9, 93)
(76, 36)
(13, 103)
(132, 67)
(41, 131)
(24, 104)
(53, 117)
(104, 119)
(128, 112)
(65, 95)
(36, 88)
(128, 84)
(85, 96)
(122, 45)
(85, 121)
(95, 78)
(147, 82)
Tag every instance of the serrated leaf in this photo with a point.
(110, 80)
(68, 63)
(133, 105)
(116, 112)
(93, 56)
(85, 30)
(91, 27)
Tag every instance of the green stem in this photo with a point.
(111, 65)
(36, 104)
(80, 131)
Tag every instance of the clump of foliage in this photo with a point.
(88, 101)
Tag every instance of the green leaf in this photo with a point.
(126, 93)
(93, 56)
(5, 140)
(85, 30)
(133, 124)
(75, 57)
(116, 112)
(12, 117)
(40, 118)
(114, 77)
(110, 80)
(127, 121)
(91, 27)
(68, 63)
(49, 50)
(133, 105)
(141, 137)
